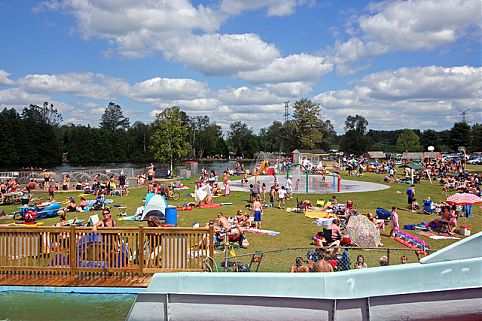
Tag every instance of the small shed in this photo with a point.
(375, 156)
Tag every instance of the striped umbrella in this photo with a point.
(464, 199)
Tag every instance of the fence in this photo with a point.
(73, 250)
(342, 258)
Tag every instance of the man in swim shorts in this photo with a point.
(257, 212)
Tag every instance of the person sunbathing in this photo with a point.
(379, 224)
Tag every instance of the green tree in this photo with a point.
(43, 138)
(408, 141)
(240, 136)
(113, 119)
(308, 126)
(168, 142)
(355, 140)
(460, 135)
(138, 136)
(476, 138)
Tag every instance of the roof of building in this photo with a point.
(377, 154)
(311, 151)
(421, 155)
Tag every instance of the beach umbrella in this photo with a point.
(464, 199)
(362, 232)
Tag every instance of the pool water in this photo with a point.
(28, 306)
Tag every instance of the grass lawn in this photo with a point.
(295, 229)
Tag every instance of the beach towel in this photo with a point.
(442, 237)
(212, 205)
(323, 221)
(261, 232)
(319, 214)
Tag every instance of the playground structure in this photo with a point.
(265, 163)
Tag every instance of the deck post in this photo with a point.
(211, 245)
(72, 244)
(141, 250)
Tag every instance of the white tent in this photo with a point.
(156, 206)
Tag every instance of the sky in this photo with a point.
(400, 64)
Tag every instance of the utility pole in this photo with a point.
(463, 115)
(286, 115)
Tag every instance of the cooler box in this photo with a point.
(171, 215)
(465, 230)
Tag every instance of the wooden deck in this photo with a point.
(130, 281)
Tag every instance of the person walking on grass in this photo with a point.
(257, 212)
(394, 220)
(281, 197)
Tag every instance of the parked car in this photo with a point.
(475, 161)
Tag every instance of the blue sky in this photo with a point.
(400, 64)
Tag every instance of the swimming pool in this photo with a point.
(62, 306)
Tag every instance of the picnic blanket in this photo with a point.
(261, 232)
(317, 214)
(437, 237)
(443, 237)
(323, 221)
(212, 205)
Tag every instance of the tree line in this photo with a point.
(36, 137)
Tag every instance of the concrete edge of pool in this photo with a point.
(71, 289)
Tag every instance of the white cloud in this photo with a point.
(275, 7)
(181, 31)
(77, 84)
(290, 89)
(426, 83)
(248, 96)
(158, 89)
(18, 97)
(221, 54)
(408, 26)
(421, 97)
(4, 80)
(299, 67)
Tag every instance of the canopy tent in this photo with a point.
(155, 206)
(413, 166)
(416, 167)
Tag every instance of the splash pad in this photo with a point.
(316, 185)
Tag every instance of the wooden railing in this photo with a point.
(131, 250)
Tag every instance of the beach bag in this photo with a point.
(383, 214)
